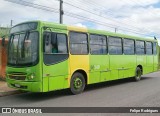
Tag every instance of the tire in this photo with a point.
(138, 74)
(77, 83)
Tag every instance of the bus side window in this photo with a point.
(154, 48)
(62, 43)
(140, 47)
(78, 43)
(149, 48)
(98, 44)
(114, 45)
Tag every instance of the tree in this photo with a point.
(4, 31)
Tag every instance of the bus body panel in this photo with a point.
(57, 75)
(99, 68)
(155, 62)
(77, 63)
(121, 68)
(105, 69)
(149, 65)
(116, 64)
(35, 85)
(141, 61)
(129, 65)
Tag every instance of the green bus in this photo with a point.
(44, 56)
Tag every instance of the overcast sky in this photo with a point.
(134, 17)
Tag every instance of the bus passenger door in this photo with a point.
(55, 58)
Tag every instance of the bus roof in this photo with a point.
(93, 31)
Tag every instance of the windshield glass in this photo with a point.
(24, 27)
(23, 49)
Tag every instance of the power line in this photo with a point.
(61, 11)
(100, 7)
(81, 17)
(33, 5)
(71, 15)
(105, 16)
(96, 14)
(22, 2)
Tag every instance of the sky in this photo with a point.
(133, 17)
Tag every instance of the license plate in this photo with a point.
(17, 85)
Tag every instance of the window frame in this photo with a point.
(38, 46)
(66, 43)
(58, 57)
(78, 43)
(155, 53)
(146, 47)
(141, 48)
(125, 46)
(56, 42)
(113, 45)
(98, 44)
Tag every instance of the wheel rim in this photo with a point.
(77, 83)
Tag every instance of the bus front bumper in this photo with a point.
(25, 85)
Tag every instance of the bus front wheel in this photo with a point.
(77, 83)
(138, 74)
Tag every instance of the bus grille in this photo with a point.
(17, 76)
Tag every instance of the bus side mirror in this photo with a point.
(3, 41)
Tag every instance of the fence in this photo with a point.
(3, 59)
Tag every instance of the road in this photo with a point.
(122, 93)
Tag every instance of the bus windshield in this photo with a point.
(23, 49)
(24, 27)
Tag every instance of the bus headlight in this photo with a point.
(32, 76)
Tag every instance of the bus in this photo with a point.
(45, 56)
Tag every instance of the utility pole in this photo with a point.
(115, 30)
(11, 23)
(61, 12)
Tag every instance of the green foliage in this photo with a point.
(159, 53)
(159, 58)
(4, 31)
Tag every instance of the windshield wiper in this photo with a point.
(10, 41)
(23, 47)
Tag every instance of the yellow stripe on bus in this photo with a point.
(79, 29)
(78, 62)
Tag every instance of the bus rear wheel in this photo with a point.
(138, 74)
(77, 83)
